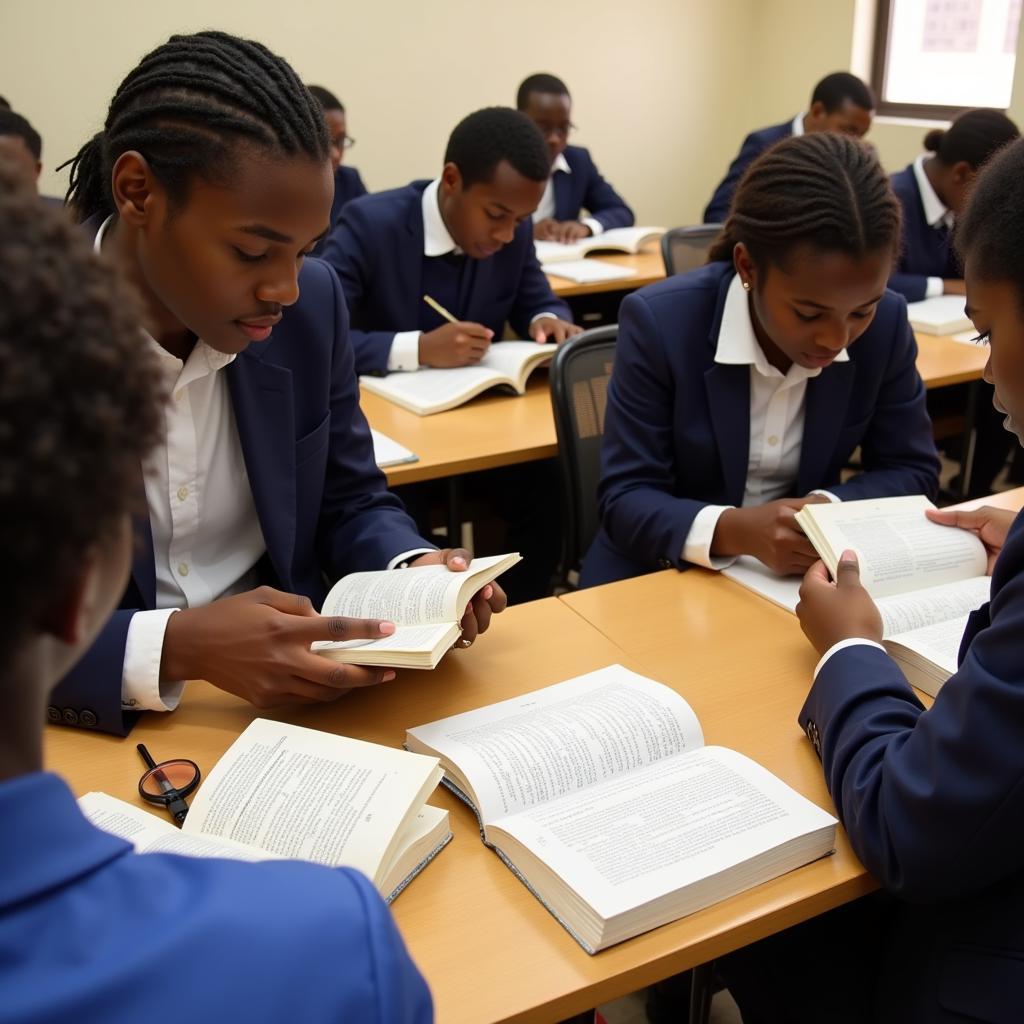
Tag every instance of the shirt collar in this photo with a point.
(436, 239)
(935, 210)
(561, 164)
(738, 346)
(798, 124)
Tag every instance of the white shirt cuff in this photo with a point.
(933, 287)
(828, 494)
(596, 227)
(697, 546)
(405, 352)
(540, 316)
(141, 689)
(408, 556)
(852, 642)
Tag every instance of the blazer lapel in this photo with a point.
(563, 194)
(828, 396)
(728, 391)
(410, 269)
(261, 394)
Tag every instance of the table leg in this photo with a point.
(454, 511)
(970, 439)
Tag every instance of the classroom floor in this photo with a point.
(630, 1010)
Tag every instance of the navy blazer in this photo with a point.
(348, 185)
(377, 250)
(585, 189)
(322, 503)
(934, 806)
(925, 251)
(677, 426)
(94, 933)
(753, 146)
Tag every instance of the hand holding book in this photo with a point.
(842, 610)
(989, 524)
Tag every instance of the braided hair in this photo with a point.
(824, 190)
(186, 106)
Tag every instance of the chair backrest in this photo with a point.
(685, 249)
(580, 373)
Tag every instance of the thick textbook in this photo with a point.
(507, 366)
(601, 797)
(943, 314)
(284, 792)
(627, 240)
(425, 602)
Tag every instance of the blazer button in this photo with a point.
(664, 563)
(53, 714)
(70, 716)
(87, 718)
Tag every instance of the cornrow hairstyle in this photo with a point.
(70, 345)
(14, 124)
(541, 82)
(835, 89)
(187, 106)
(326, 98)
(824, 190)
(990, 234)
(973, 137)
(482, 140)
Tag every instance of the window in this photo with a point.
(934, 58)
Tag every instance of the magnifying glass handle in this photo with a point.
(177, 808)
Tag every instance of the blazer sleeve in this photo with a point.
(933, 801)
(605, 204)
(898, 448)
(349, 250)
(718, 209)
(638, 509)
(362, 525)
(911, 286)
(534, 294)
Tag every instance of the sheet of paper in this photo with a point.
(388, 452)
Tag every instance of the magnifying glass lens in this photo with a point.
(179, 775)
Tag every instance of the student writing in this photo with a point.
(741, 389)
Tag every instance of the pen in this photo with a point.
(438, 308)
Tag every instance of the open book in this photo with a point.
(588, 271)
(943, 314)
(425, 602)
(629, 240)
(388, 452)
(600, 796)
(507, 365)
(284, 792)
(926, 578)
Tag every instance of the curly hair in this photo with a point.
(483, 139)
(825, 190)
(80, 406)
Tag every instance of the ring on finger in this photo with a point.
(464, 643)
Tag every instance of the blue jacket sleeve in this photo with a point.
(534, 295)
(911, 286)
(718, 209)
(638, 510)
(604, 203)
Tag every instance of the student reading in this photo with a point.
(932, 801)
(841, 102)
(748, 383)
(348, 184)
(89, 930)
(575, 183)
(209, 192)
(464, 239)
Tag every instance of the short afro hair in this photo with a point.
(80, 403)
(326, 98)
(835, 89)
(540, 82)
(14, 124)
(484, 139)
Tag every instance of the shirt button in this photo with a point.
(183, 568)
(182, 493)
(773, 440)
(179, 394)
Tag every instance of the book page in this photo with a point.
(664, 826)
(430, 387)
(899, 549)
(419, 596)
(904, 612)
(939, 642)
(748, 572)
(510, 358)
(307, 795)
(941, 314)
(587, 270)
(416, 639)
(388, 452)
(556, 741)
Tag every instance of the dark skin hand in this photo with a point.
(830, 612)
(455, 344)
(990, 525)
(551, 230)
(551, 328)
(769, 532)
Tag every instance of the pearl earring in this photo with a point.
(746, 286)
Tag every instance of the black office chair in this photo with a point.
(685, 249)
(580, 373)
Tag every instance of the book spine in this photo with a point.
(419, 867)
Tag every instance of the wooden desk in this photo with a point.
(488, 949)
(647, 263)
(942, 361)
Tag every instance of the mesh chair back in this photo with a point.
(580, 373)
(685, 249)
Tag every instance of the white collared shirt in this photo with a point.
(777, 405)
(547, 201)
(437, 241)
(797, 127)
(936, 213)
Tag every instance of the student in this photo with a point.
(575, 181)
(89, 930)
(741, 389)
(841, 102)
(21, 143)
(932, 802)
(209, 193)
(348, 184)
(464, 239)
(933, 192)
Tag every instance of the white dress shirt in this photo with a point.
(437, 241)
(936, 213)
(547, 201)
(797, 127)
(777, 404)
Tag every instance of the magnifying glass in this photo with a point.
(168, 783)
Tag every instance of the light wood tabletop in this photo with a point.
(488, 949)
(647, 265)
(942, 361)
